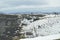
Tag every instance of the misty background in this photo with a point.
(12, 6)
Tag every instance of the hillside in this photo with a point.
(50, 25)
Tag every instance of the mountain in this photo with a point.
(42, 28)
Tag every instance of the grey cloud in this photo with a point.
(25, 2)
(15, 3)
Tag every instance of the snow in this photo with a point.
(45, 29)
(50, 15)
(25, 21)
(50, 37)
(47, 26)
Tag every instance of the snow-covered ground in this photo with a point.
(47, 28)
(50, 37)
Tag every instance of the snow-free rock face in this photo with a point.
(7, 21)
(44, 27)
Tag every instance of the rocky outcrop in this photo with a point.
(7, 21)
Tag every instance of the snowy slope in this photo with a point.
(50, 37)
(47, 28)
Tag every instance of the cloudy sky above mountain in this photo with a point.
(31, 5)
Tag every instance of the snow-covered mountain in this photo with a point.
(50, 25)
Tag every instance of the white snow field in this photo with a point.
(50, 37)
(45, 29)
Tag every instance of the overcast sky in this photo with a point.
(29, 5)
